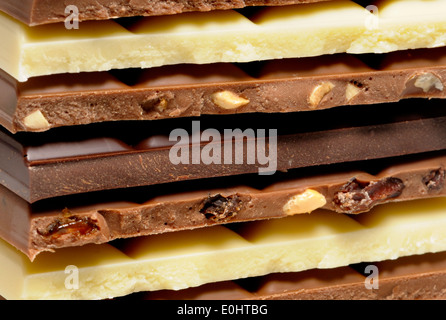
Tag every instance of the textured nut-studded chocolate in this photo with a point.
(185, 90)
(103, 156)
(109, 215)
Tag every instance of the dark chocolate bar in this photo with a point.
(129, 154)
(102, 217)
(37, 12)
(286, 85)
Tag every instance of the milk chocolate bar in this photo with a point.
(179, 260)
(284, 85)
(104, 217)
(37, 12)
(221, 36)
(420, 277)
(68, 160)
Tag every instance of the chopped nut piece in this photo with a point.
(154, 104)
(162, 105)
(305, 202)
(319, 93)
(428, 81)
(36, 121)
(228, 100)
(351, 92)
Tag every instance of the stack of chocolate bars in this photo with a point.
(286, 149)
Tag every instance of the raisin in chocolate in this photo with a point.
(356, 196)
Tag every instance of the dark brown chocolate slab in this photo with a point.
(37, 12)
(303, 140)
(102, 217)
(419, 277)
(285, 85)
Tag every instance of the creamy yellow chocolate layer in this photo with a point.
(192, 258)
(222, 36)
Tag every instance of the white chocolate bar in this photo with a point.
(221, 36)
(187, 259)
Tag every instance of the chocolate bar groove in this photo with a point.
(221, 36)
(420, 277)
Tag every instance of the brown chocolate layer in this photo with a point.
(129, 154)
(102, 217)
(182, 91)
(421, 277)
(36, 12)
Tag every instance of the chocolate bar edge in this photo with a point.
(264, 96)
(35, 12)
(70, 226)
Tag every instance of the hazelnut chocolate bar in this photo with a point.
(187, 90)
(419, 277)
(184, 259)
(37, 12)
(103, 217)
(297, 31)
(73, 160)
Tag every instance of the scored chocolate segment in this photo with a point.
(45, 165)
(419, 277)
(37, 12)
(285, 85)
(221, 36)
(103, 217)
